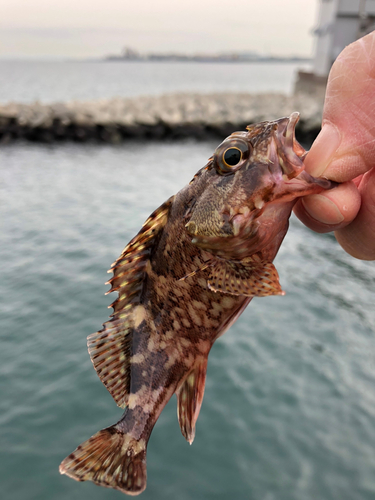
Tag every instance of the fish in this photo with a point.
(182, 281)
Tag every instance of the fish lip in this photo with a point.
(290, 152)
(286, 127)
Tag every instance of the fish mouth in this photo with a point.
(290, 152)
(291, 155)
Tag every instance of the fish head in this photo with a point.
(250, 186)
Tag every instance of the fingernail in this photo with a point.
(322, 209)
(324, 148)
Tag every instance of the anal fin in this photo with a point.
(248, 277)
(189, 399)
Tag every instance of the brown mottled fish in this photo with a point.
(182, 281)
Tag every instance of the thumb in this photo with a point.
(345, 147)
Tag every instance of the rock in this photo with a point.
(160, 117)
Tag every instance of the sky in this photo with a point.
(95, 28)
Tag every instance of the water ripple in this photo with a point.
(289, 407)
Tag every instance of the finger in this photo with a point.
(358, 238)
(330, 210)
(357, 180)
(345, 147)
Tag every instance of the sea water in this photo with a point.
(289, 407)
(50, 81)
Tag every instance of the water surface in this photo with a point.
(45, 81)
(289, 408)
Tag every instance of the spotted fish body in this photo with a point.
(182, 281)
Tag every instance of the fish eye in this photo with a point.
(232, 157)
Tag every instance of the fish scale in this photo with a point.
(182, 281)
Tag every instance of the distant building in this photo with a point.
(340, 22)
(130, 54)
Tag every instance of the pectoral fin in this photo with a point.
(189, 400)
(251, 279)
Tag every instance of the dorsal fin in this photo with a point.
(109, 347)
(189, 399)
(247, 277)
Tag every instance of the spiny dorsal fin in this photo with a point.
(248, 278)
(189, 399)
(109, 347)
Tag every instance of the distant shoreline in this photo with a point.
(205, 60)
(155, 60)
(129, 55)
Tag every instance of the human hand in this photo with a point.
(344, 152)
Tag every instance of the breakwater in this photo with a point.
(172, 116)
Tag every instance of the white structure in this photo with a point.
(340, 23)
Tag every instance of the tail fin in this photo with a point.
(109, 458)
